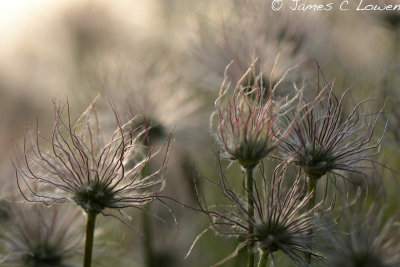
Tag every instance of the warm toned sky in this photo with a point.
(18, 17)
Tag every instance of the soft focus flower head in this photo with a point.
(80, 165)
(40, 236)
(156, 89)
(364, 238)
(246, 29)
(391, 20)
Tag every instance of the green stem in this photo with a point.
(312, 187)
(263, 259)
(91, 221)
(147, 239)
(147, 231)
(312, 184)
(250, 188)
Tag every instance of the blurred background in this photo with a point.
(166, 60)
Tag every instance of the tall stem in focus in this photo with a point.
(312, 184)
(91, 221)
(263, 259)
(250, 204)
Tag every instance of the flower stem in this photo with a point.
(250, 187)
(91, 221)
(312, 184)
(263, 259)
(146, 223)
(147, 231)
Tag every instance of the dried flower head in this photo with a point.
(154, 89)
(82, 167)
(248, 124)
(283, 220)
(363, 238)
(326, 140)
(40, 236)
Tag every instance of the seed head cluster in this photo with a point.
(280, 213)
(105, 164)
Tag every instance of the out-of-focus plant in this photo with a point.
(156, 90)
(81, 165)
(365, 236)
(389, 91)
(247, 29)
(40, 236)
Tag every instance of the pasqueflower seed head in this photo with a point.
(325, 139)
(247, 128)
(283, 221)
(79, 165)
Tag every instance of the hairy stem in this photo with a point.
(250, 203)
(312, 184)
(263, 259)
(91, 221)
